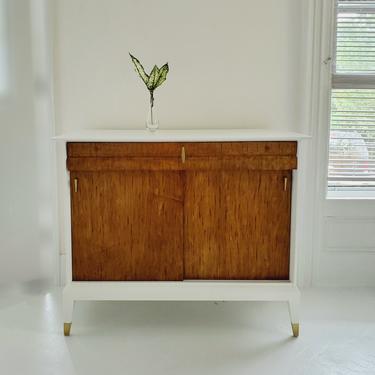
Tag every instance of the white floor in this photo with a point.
(337, 336)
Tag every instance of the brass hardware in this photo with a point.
(295, 329)
(183, 155)
(76, 185)
(285, 183)
(67, 327)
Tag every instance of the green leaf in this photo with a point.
(163, 71)
(154, 76)
(139, 69)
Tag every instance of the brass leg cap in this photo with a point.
(67, 327)
(295, 329)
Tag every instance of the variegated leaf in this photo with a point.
(152, 80)
(163, 71)
(139, 69)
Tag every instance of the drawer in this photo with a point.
(95, 164)
(114, 149)
(173, 149)
(259, 148)
(96, 156)
(241, 156)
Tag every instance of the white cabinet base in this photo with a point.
(181, 291)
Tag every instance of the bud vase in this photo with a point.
(152, 121)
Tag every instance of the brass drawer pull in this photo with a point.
(183, 155)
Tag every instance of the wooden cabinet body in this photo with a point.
(181, 211)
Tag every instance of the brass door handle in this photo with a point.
(183, 155)
(76, 185)
(285, 183)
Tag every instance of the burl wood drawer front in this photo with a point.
(127, 226)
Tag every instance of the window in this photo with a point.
(351, 166)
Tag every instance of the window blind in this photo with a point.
(352, 131)
(355, 37)
(352, 138)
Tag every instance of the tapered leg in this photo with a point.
(294, 315)
(68, 306)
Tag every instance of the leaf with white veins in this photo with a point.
(139, 69)
(163, 71)
(154, 76)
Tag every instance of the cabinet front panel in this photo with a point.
(237, 225)
(127, 225)
(173, 211)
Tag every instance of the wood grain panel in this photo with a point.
(259, 148)
(120, 164)
(140, 213)
(198, 149)
(266, 163)
(175, 164)
(127, 226)
(237, 225)
(173, 149)
(123, 149)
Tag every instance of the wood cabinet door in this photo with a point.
(237, 224)
(127, 225)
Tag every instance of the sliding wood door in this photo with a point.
(127, 225)
(237, 225)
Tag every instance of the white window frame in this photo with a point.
(343, 81)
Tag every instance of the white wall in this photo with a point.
(27, 201)
(232, 63)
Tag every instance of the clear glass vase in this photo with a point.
(152, 121)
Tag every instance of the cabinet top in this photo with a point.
(193, 135)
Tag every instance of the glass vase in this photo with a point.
(152, 121)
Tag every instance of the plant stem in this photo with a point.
(152, 105)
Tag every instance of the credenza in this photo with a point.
(182, 215)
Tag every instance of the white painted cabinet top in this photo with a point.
(193, 135)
